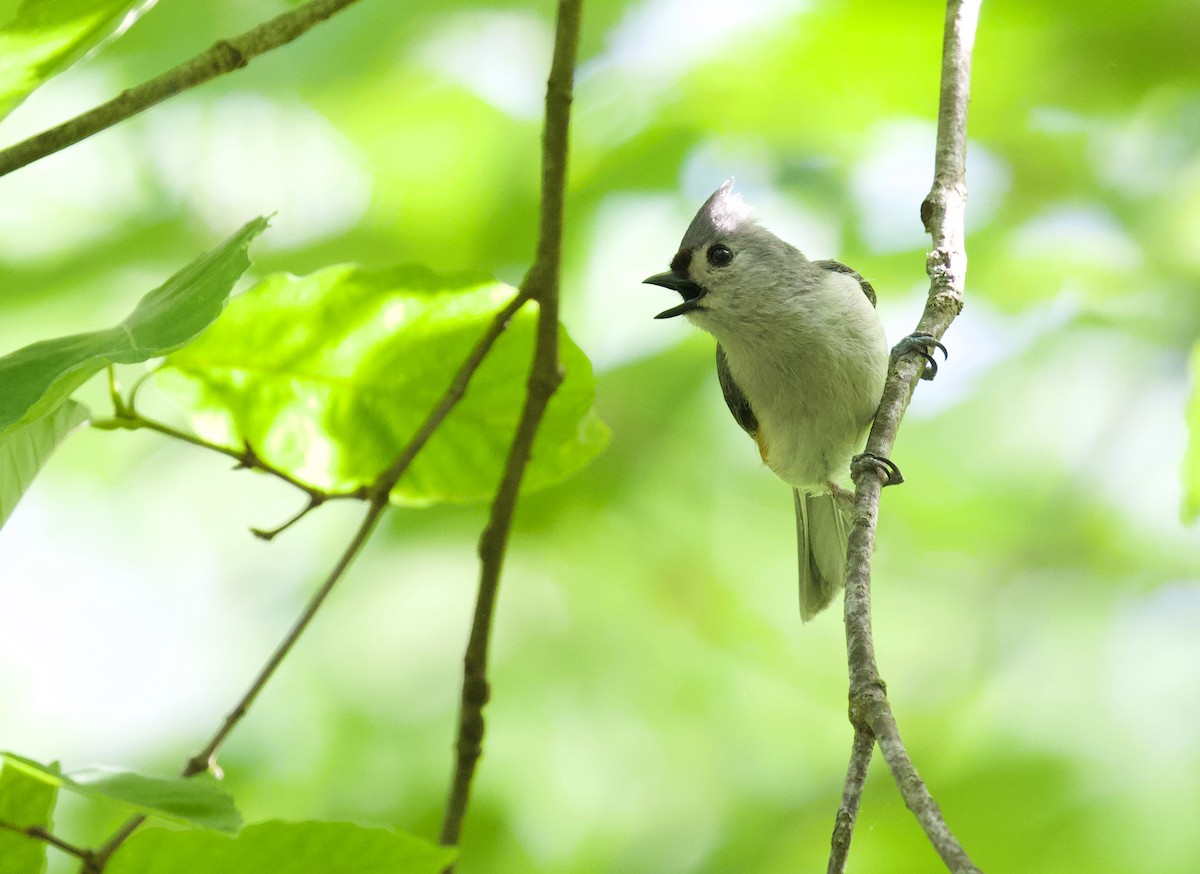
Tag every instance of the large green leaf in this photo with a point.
(25, 448)
(199, 802)
(1191, 457)
(281, 848)
(37, 378)
(25, 801)
(47, 36)
(327, 376)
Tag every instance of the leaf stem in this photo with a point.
(943, 215)
(542, 285)
(224, 56)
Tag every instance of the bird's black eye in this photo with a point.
(719, 256)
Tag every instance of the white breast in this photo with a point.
(812, 366)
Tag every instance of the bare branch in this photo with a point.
(847, 815)
(943, 215)
(127, 418)
(224, 56)
(458, 387)
(377, 494)
(40, 833)
(542, 285)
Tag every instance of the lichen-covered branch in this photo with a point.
(223, 57)
(847, 815)
(541, 285)
(943, 215)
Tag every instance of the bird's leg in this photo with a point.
(888, 472)
(843, 496)
(923, 345)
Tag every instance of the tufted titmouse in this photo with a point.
(801, 358)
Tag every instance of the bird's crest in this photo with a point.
(723, 213)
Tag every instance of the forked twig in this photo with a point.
(943, 216)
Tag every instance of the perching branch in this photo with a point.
(847, 815)
(542, 285)
(224, 56)
(377, 495)
(943, 216)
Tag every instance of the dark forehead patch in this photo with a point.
(679, 264)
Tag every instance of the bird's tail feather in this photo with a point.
(821, 529)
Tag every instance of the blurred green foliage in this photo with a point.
(657, 705)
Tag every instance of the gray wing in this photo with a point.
(838, 267)
(735, 399)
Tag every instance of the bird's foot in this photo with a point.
(923, 345)
(885, 467)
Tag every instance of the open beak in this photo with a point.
(690, 291)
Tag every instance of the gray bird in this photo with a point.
(801, 358)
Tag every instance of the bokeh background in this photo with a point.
(658, 706)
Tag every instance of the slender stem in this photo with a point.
(127, 418)
(541, 284)
(40, 833)
(224, 56)
(378, 494)
(458, 387)
(943, 215)
(206, 758)
(847, 815)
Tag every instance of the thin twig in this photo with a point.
(378, 494)
(458, 387)
(40, 833)
(847, 815)
(541, 284)
(224, 56)
(247, 458)
(943, 215)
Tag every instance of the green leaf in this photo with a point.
(1191, 456)
(24, 801)
(281, 848)
(25, 448)
(328, 376)
(199, 802)
(38, 377)
(47, 36)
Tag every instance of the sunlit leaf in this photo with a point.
(38, 377)
(329, 375)
(25, 801)
(47, 36)
(281, 848)
(25, 448)
(199, 802)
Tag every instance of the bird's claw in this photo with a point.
(888, 472)
(922, 344)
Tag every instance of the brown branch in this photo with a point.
(129, 419)
(847, 815)
(943, 215)
(377, 494)
(458, 387)
(542, 285)
(224, 56)
(40, 833)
